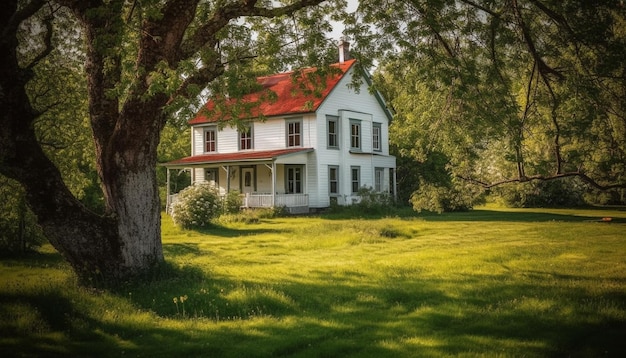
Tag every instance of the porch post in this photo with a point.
(273, 183)
(228, 179)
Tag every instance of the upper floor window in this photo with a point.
(294, 133)
(333, 131)
(355, 134)
(245, 138)
(210, 140)
(377, 137)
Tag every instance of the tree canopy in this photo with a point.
(508, 92)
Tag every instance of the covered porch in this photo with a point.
(264, 178)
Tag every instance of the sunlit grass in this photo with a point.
(484, 283)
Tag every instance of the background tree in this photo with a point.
(525, 90)
(144, 61)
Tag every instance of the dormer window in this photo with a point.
(294, 133)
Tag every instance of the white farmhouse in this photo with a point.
(310, 150)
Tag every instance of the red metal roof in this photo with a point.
(246, 156)
(290, 98)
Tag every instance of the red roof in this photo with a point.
(290, 98)
(246, 156)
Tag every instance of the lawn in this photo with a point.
(490, 282)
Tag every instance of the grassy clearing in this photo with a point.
(483, 283)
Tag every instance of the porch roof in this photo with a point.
(237, 157)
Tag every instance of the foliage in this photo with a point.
(196, 206)
(550, 194)
(437, 198)
(373, 202)
(58, 91)
(515, 282)
(269, 213)
(19, 231)
(232, 202)
(251, 216)
(506, 91)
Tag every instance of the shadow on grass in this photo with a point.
(525, 216)
(35, 258)
(477, 215)
(324, 313)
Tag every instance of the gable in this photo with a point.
(287, 96)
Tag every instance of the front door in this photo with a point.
(247, 180)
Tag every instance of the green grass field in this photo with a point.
(486, 283)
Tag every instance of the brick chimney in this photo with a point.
(344, 50)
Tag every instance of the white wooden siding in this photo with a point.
(344, 103)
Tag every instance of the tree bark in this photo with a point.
(123, 243)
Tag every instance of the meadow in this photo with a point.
(485, 283)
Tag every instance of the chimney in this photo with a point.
(344, 50)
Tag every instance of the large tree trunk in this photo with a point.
(119, 245)
(123, 243)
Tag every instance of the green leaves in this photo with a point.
(506, 91)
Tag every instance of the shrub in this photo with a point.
(197, 205)
(554, 193)
(373, 202)
(270, 213)
(232, 202)
(440, 198)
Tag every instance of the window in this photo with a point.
(245, 138)
(355, 134)
(293, 182)
(333, 180)
(379, 177)
(356, 179)
(377, 137)
(333, 131)
(210, 140)
(294, 133)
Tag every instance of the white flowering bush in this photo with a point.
(196, 206)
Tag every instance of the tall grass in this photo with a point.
(484, 283)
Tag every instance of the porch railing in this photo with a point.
(260, 200)
(265, 200)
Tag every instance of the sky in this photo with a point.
(337, 26)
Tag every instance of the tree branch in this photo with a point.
(47, 40)
(482, 8)
(14, 21)
(544, 69)
(578, 174)
(205, 35)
